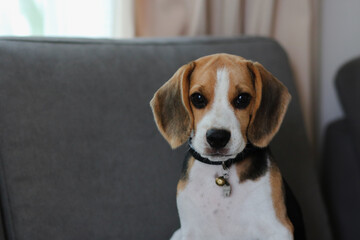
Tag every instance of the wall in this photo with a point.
(339, 43)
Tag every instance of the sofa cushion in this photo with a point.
(348, 88)
(81, 157)
(341, 180)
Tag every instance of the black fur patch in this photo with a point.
(258, 165)
(185, 167)
(294, 213)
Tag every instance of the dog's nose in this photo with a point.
(217, 138)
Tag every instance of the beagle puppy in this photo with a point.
(228, 109)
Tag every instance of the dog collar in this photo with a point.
(250, 148)
(222, 181)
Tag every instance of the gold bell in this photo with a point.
(220, 181)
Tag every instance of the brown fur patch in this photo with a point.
(203, 81)
(184, 179)
(241, 82)
(277, 195)
(269, 112)
(242, 168)
(171, 109)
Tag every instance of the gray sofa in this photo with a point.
(341, 158)
(80, 155)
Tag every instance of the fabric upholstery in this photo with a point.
(341, 180)
(341, 158)
(81, 157)
(2, 227)
(348, 87)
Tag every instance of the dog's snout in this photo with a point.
(217, 138)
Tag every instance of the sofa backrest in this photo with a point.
(348, 87)
(81, 157)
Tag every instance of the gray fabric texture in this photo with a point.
(348, 87)
(341, 180)
(81, 157)
(341, 160)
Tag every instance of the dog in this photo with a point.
(228, 109)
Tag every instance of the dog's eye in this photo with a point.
(242, 101)
(198, 100)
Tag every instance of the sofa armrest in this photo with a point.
(341, 180)
(2, 232)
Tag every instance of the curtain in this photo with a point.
(291, 23)
(67, 18)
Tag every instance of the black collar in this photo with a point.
(250, 148)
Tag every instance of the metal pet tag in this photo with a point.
(226, 190)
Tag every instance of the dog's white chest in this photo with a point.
(247, 214)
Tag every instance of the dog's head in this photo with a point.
(223, 102)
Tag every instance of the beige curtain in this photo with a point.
(290, 22)
(123, 19)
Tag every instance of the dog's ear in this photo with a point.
(171, 107)
(272, 100)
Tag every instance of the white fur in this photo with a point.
(248, 214)
(220, 116)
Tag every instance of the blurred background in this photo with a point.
(319, 36)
